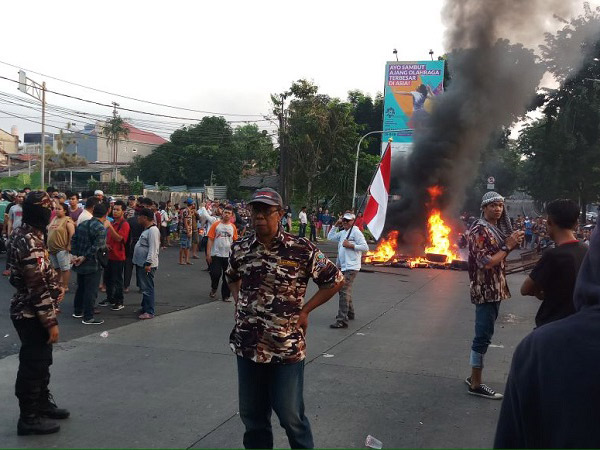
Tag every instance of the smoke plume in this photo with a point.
(494, 78)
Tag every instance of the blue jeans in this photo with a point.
(86, 294)
(272, 387)
(145, 281)
(485, 317)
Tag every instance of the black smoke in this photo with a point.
(494, 80)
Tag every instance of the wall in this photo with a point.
(8, 142)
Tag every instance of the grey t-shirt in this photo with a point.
(16, 216)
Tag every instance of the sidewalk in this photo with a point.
(397, 374)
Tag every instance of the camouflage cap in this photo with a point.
(40, 198)
(268, 196)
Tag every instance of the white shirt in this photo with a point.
(85, 215)
(349, 258)
(303, 218)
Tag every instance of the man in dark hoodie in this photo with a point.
(551, 398)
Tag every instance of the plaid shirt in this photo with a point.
(88, 238)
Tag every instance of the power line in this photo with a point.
(215, 136)
(74, 97)
(75, 115)
(130, 98)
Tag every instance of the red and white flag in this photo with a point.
(376, 208)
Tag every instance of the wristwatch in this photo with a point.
(504, 248)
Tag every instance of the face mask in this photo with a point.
(36, 215)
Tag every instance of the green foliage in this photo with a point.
(93, 184)
(501, 160)
(560, 151)
(18, 182)
(206, 153)
(368, 114)
(113, 187)
(137, 187)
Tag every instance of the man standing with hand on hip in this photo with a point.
(491, 239)
(351, 244)
(268, 273)
(145, 259)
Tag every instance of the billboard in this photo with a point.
(409, 90)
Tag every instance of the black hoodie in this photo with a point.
(552, 394)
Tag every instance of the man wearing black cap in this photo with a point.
(33, 313)
(268, 273)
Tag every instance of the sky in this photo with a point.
(220, 57)
(224, 57)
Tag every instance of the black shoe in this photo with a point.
(468, 381)
(47, 408)
(350, 316)
(92, 321)
(117, 307)
(486, 392)
(36, 425)
(105, 303)
(78, 315)
(339, 324)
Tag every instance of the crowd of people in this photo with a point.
(266, 273)
(318, 220)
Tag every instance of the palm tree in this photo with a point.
(114, 129)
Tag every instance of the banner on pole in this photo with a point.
(410, 87)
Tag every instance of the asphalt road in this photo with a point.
(396, 373)
(177, 287)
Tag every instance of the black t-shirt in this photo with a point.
(555, 274)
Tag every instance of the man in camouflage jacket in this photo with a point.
(33, 313)
(268, 274)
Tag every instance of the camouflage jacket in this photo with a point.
(37, 283)
(486, 285)
(272, 294)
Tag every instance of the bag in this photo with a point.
(102, 257)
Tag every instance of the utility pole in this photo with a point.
(283, 156)
(115, 139)
(36, 90)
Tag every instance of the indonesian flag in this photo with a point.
(376, 208)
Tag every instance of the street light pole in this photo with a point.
(357, 155)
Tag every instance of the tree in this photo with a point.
(255, 148)
(206, 153)
(368, 114)
(114, 130)
(560, 151)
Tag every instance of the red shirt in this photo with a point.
(116, 250)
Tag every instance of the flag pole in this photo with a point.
(390, 140)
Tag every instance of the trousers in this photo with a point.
(346, 307)
(218, 266)
(35, 359)
(114, 281)
(264, 388)
(86, 294)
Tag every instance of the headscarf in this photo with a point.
(503, 228)
(37, 209)
(587, 287)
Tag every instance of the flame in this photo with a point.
(439, 234)
(386, 249)
(438, 239)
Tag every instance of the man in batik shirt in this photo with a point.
(268, 273)
(491, 239)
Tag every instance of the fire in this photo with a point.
(439, 234)
(385, 250)
(438, 245)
